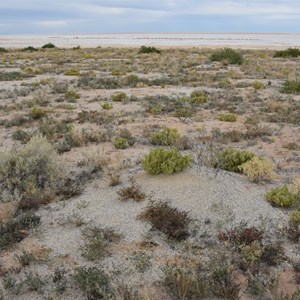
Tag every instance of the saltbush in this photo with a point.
(290, 52)
(228, 56)
(233, 159)
(162, 160)
(48, 46)
(227, 117)
(291, 87)
(38, 112)
(258, 169)
(145, 49)
(198, 97)
(120, 97)
(281, 196)
(166, 137)
(30, 170)
(121, 143)
(295, 217)
(106, 105)
(72, 72)
(257, 85)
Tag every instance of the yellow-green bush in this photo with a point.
(295, 217)
(281, 196)
(72, 72)
(162, 160)
(120, 97)
(258, 85)
(227, 117)
(106, 105)
(198, 97)
(30, 170)
(257, 169)
(38, 112)
(166, 137)
(121, 143)
(232, 159)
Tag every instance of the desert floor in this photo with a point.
(98, 108)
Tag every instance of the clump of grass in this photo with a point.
(166, 137)
(94, 282)
(291, 87)
(121, 143)
(169, 220)
(48, 46)
(72, 72)
(133, 191)
(281, 196)
(106, 105)
(166, 161)
(295, 217)
(120, 97)
(38, 112)
(290, 52)
(198, 97)
(227, 117)
(31, 170)
(71, 95)
(97, 242)
(145, 49)
(258, 85)
(227, 56)
(16, 229)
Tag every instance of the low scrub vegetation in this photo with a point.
(227, 56)
(166, 137)
(167, 219)
(227, 117)
(31, 170)
(291, 87)
(166, 161)
(281, 196)
(290, 52)
(146, 50)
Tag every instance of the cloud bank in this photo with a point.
(70, 16)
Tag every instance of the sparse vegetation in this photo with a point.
(146, 49)
(227, 117)
(166, 137)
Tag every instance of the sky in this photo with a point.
(101, 16)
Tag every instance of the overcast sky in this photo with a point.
(92, 16)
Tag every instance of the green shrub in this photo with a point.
(30, 48)
(232, 159)
(120, 97)
(118, 72)
(257, 169)
(72, 95)
(3, 50)
(290, 52)
(281, 196)
(166, 137)
(33, 169)
(15, 230)
(161, 160)
(14, 75)
(38, 112)
(48, 46)
(258, 85)
(198, 97)
(106, 105)
(228, 56)
(121, 143)
(227, 117)
(94, 282)
(145, 49)
(295, 217)
(72, 72)
(291, 87)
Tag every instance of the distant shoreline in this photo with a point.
(165, 40)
